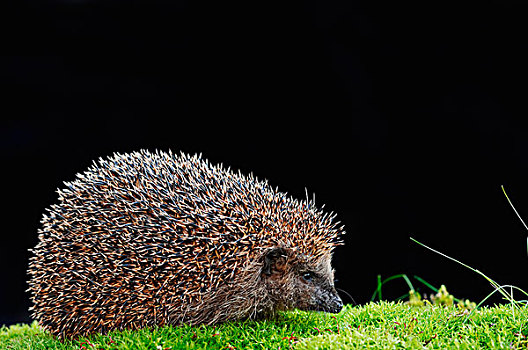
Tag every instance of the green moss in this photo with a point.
(380, 325)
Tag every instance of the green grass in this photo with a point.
(379, 325)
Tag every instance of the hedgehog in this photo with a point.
(148, 239)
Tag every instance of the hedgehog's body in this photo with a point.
(148, 239)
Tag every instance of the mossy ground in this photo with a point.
(380, 325)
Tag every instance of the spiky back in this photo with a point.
(139, 235)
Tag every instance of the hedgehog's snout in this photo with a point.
(316, 292)
(327, 300)
(333, 305)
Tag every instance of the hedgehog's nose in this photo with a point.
(336, 306)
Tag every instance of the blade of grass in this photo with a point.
(388, 279)
(515, 210)
(427, 284)
(379, 288)
(516, 213)
(402, 297)
(411, 287)
(500, 289)
(492, 282)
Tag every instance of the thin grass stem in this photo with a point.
(379, 287)
(388, 279)
(516, 213)
(411, 287)
(494, 284)
(515, 210)
(427, 284)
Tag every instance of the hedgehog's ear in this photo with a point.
(275, 261)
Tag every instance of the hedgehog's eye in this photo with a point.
(307, 276)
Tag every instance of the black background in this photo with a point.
(404, 121)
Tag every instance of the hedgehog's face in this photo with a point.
(295, 282)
